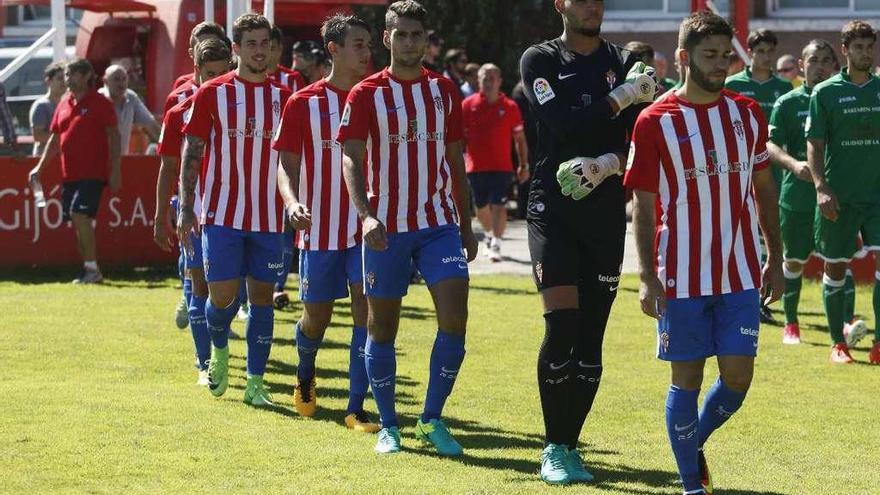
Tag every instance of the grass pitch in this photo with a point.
(99, 396)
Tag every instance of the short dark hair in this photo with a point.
(335, 28)
(434, 38)
(211, 50)
(52, 69)
(759, 36)
(83, 67)
(249, 22)
(204, 28)
(699, 26)
(404, 8)
(819, 44)
(452, 56)
(640, 49)
(856, 29)
(276, 34)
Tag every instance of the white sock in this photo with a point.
(91, 265)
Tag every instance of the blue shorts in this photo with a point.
(230, 253)
(695, 328)
(324, 276)
(193, 260)
(490, 188)
(436, 252)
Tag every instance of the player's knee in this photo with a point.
(687, 377)
(835, 271)
(453, 322)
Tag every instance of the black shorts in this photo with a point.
(81, 196)
(577, 242)
(490, 188)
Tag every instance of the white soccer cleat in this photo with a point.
(854, 331)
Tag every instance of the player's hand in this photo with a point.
(652, 296)
(826, 200)
(115, 181)
(579, 176)
(772, 282)
(802, 172)
(640, 86)
(375, 237)
(300, 217)
(162, 229)
(522, 174)
(186, 224)
(469, 243)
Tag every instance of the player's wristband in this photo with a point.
(623, 95)
(609, 164)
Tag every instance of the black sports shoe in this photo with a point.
(766, 316)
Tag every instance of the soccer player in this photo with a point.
(228, 138)
(697, 154)
(797, 201)
(84, 132)
(404, 168)
(212, 58)
(584, 93)
(186, 85)
(491, 121)
(843, 142)
(328, 231)
(289, 78)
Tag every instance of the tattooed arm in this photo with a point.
(193, 151)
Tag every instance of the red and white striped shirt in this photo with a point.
(179, 94)
(406, 125)
(289, 78)
(308, 128)
(236, 119)
(699, 159)
(171, 140)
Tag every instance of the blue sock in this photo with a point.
(446, 358)
(198, 325)
(381, 364)
(357, 371)
(260, 324)
(219, 321)
(682, 424)
(187, 291)
(307, 349)
(718, 406)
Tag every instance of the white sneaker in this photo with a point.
(495, 251)
(89, 277)
(854, 332)
(489, 241)
(203, 378)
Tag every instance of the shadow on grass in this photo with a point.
(122, 277)
(507, 291)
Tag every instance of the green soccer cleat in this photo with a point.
(576, 470)
(218, 371)
(255, 394)
(554, 464)
(389, 440)
(435, 433)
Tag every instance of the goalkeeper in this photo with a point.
(585, 93)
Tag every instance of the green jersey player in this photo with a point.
(843, 142)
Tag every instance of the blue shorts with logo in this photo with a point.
(231, 253)
(695, 328)
(436, 252)
(324, 275)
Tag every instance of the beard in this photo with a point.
(257, 69)
(588, 31)
(702, 80)
(863, 65)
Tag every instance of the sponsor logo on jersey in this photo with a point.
(346, 115)
(543, 91)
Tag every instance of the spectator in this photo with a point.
(43, 108)
(642, 51)
(470, 85)
(491, 122)
(130, 109)
(6, 123)
(787, 68)
(454, 64)
(307, 59)
(84, 132)
(432, 52)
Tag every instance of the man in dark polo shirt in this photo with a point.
(491, 121)
(84, 132)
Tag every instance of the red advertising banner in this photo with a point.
(32, 236)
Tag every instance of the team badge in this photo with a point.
(663, 341)
(304, 285)
(738, 129)
(611, 77)
(276, 108)
(413, 126)
(371, 279)
(539, 272)
(438, 103)
(543, 91)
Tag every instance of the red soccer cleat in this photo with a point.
(874, 355)
(840, 354)
(791, 334)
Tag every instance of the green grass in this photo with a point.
(99, 396)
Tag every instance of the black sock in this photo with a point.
(595, 302)
(554, 372)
